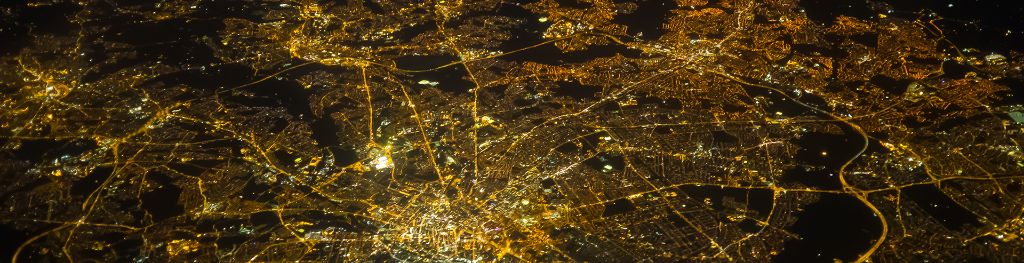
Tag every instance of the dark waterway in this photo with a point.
(840, 226)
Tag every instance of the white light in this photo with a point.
(382, 162)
